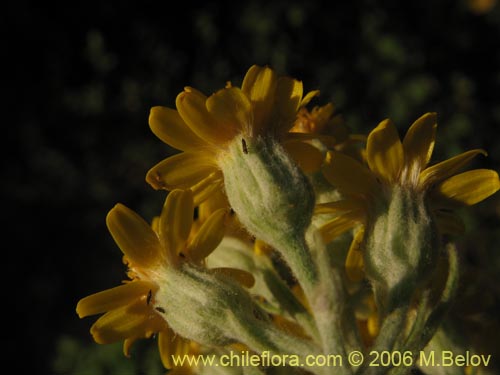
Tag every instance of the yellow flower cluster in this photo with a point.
(264, 122)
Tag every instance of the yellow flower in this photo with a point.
(329, 128)
(394, 164)
(216, 201)
(131, 309)
(324, 122)
(481, 6)
(202, 128)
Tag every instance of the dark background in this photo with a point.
(81, 78)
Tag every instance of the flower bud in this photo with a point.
(272, 197)
(200, 305)
(401, 248)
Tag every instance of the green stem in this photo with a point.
(296, 254)
(430, 318)
(265, 338)
(324, 289)
(391, 329)
(333, 314)
(287, 300)
(447, 297)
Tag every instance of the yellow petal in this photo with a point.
(298, 292)
(242, 277)
(449, 223)
(176, 220)
(385, 151)
(168, 125)
(127, 345)
(290, 327)
(134, 236)
(171, 345)
(288, 97)
(164, 347)
(354, 265)
(113, 298)
(208, 237)
(208, 187)
(216, 201)
(470, 187)
(182, 345)
(323, 114)
(155, 224)
(191, 105)
(447, 168)
(259, 85)
(181, 171)
(137, 320)
(294, 136)
(373, 325)
(232, 110)
(328, 141)
(349, 175)
(308, 97)
(341, 224)
(262, 248)
(418, 143)
(307, 157)
(341, 206)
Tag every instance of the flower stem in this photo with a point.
(324, 289)
(391, 329)
(265, 338)
(287, 300)
(429, 318)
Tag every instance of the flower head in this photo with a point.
(203, 127)
(393, 165)
(323, 128)
(324, 122)
(132, 310)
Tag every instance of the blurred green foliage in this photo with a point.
(75, 357)
(81, 80)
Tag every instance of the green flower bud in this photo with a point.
(208, 308)
(200, 305)
(401, 248)
(272, 197)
